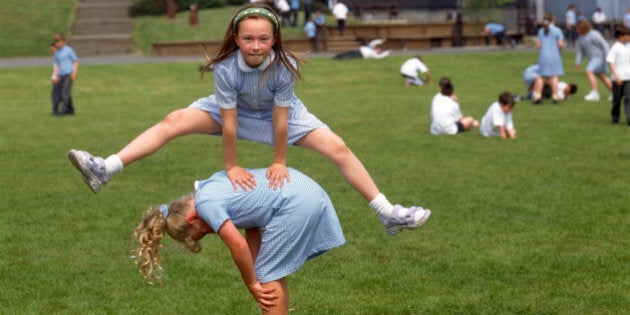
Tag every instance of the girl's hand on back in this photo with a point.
(276, 173)
(241, 177)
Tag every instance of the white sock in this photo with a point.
(381, 206)
(113, 164)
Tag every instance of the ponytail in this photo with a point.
(170, 219)
(547, 21)
(148, 235)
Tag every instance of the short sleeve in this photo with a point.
(212, 212)
(224, 86)
(284, 84)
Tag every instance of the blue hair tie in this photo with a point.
(164, 211)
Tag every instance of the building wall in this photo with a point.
(614, 9)
(407, 4)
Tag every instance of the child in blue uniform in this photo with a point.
(284, 228)
(66, 69)
(550, 41)
(254, 79)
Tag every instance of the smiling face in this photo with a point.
(255, 39)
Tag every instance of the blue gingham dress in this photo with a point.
(298, 221)
(239, 86)
(549, 56)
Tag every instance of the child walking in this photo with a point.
(619, 62)
(284, 228)
(446, 115)
(592, 44)
(497, 122)
(254, 79)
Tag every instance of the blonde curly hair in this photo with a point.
(151, 230)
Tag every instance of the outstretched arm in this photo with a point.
(243, 259)
(238, 176)
(277, 172)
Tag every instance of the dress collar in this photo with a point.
(242, 65)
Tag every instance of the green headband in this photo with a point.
(250, 11)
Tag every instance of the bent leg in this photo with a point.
(177, 123)
(469, 122)
(331, 146)
(282, 302)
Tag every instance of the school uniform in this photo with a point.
(410, 69)
(298, 221)
(445, 113)
(549, 57)
(595, 48)
(619, 57)
(65, 58)
(239, 86)
(493, 119)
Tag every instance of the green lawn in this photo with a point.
(28, 27)
(538, 225)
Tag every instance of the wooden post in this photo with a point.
(171, 9)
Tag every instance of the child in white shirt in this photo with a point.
(618, 60)
(446, 115)
(410, 68)
(497, 122)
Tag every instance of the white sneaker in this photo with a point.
(413, 218)
(592, 96)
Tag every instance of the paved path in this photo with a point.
(128, 59)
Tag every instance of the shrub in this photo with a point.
(158, 7)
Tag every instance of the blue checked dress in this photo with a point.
(298, 221)
(239, 86)
(549, 57)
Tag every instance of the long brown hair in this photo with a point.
(229, 45)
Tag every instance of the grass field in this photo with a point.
(538, 225)
(29, 27)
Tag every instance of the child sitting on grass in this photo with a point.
(446, 115)
(497, 122)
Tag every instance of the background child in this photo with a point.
(446, 114)
(550, 42)
(619, 62)
(539, 88)
(284, 228)
(592, 44)
(254, 81)
(498, 119)
(410, 68)
(371, 50)
(67, 65)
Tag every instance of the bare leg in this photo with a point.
(553, 81)
(604, 78)
(592, 81)
(282, 302)
(536, 88)
(469, 122)
(177, 123)
(331, 146)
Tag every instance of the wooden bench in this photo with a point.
(388, 9)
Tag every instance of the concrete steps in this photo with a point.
(101, 27)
